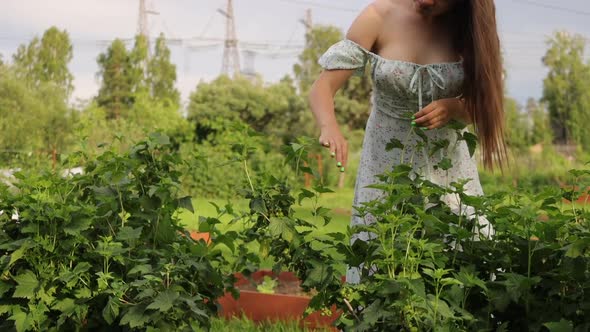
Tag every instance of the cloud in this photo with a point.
(83, 19)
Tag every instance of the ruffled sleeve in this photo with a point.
(345, 54)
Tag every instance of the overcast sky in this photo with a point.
(524, 26)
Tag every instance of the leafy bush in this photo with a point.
(104, 250)
(423, 269)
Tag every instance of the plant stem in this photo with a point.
(248, 175)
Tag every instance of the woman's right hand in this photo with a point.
(336, 143)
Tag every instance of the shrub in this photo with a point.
(105, 250)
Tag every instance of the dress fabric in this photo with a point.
(401, 89)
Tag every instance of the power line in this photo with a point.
(318, 5)
(563, 9)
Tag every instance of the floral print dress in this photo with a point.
(401, 89)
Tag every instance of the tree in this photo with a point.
(161, 75)
(352, 103)
(539, 126)
(275, 110)
(565, 89)
(138, 65)
(32, 120)
(46, 60)
(116, 90)
(516, 127)
(129, 74)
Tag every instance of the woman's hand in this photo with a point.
(439, 113)
(332, 139)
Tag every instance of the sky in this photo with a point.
(524, 26)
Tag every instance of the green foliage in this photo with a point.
(94, 129)
(516, 127)
(225, 114)
(32, 121)
(116, 90)
(423, 269)
(274, 110)
(161, 75)
(46, 60)
(532, 171)
(138, 65)
(126, 75)
(541, 128)
(104, 250)
(565, 89)
(267, 286)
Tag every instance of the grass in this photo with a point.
(246, 325)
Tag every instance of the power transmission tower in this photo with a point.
(231, 57)
(308, 21)
(142, 23)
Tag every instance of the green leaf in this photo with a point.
(81, 268)
(134, 317)
(471, 141)
(66, 306)
(322, 190)
(111, 310)
(283, 227)
(4, 287)
(318, 275)
(257, 205)
(4, 309)
(22, 322)
(17, 254)
(444, 310)
(140, 269)
(27, 285)
(75, 226)
(186, 203)
(227, 240)
(445, 164)
(164, 301)
(83, 293)
(561, 326)
(127, 233)
(394, 143)
(455, 124)
(305, 194)
(438, 145)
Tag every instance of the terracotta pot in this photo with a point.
(260, 307)
(201, 235)
(584, 197)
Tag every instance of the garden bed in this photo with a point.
(287, 303)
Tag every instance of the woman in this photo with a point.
(433, 61)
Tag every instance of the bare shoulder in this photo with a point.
(366, 27)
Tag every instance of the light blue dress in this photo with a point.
(401, 89)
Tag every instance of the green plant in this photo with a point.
(104, 250)
(422, 269)
(267, 286)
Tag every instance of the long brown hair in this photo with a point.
(476, 37)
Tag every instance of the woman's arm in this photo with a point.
(363, 31)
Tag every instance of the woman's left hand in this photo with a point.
(438, 113)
